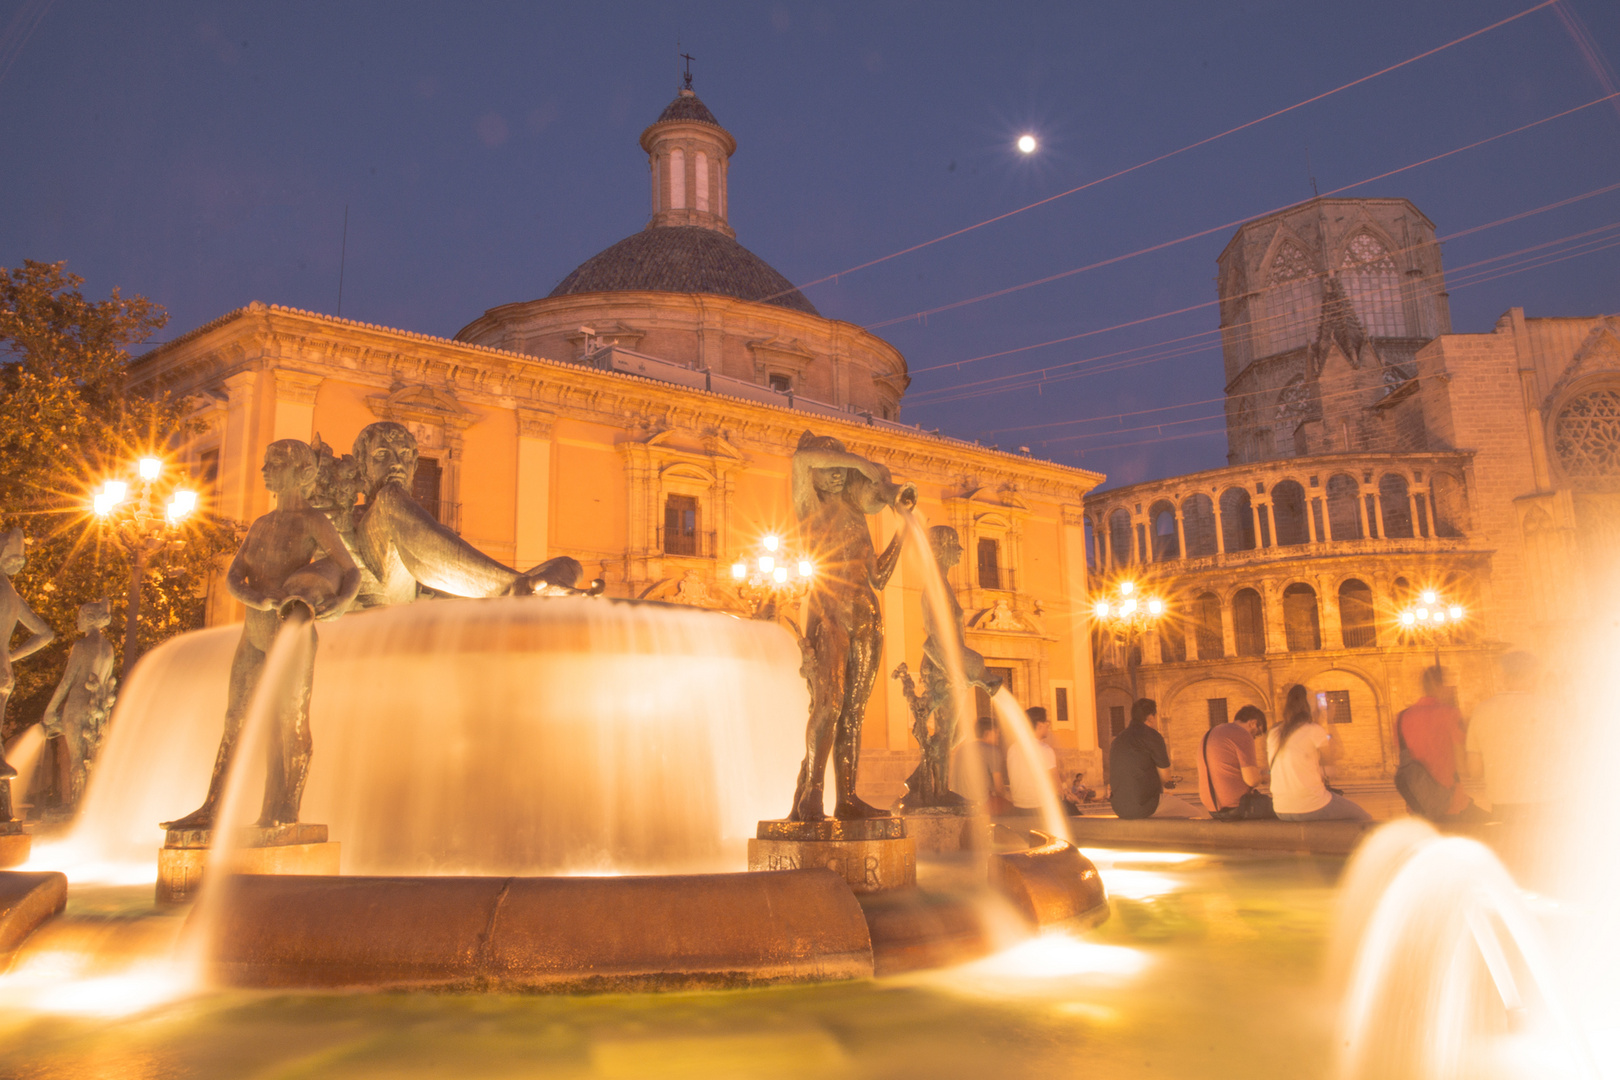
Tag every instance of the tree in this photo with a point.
(68, 419)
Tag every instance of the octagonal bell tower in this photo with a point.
(688, 155)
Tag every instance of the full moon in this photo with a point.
(1026, 143)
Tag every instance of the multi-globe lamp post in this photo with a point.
(1125, 612)
(770, 577)
(1432, 618)
(140, 522)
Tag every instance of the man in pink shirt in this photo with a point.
(1432, 732)
(1228, 768)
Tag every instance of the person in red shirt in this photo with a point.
(1227, 767)
(1433, 733)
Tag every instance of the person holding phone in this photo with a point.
(1299, 749)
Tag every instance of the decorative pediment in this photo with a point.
(788, 355)
(1001, 617)
(991, 498)
(410, 405)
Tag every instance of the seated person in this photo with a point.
(1299, 749)
(1227, 766)
(1024, 778)
(1139, 769)
(1430, 734)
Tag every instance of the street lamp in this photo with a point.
(1432, 617)
(771, 577)
(143, 524)
(1127, 612)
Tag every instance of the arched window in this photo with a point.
(1450, 504)
(1373, 284)
(1290, 307)
(1237, 520)
(1397, 505)
(1357, 620)
(1248, 623)
(1172, 641)
(1344, 507)
(677, 179)
(1288, 513)
(1166, 545)
(1207, 627)
(700, 169)
(1119, 537)
(1198, 525)
(1586, 435)
(1302, 627)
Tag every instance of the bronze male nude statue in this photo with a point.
(833, 492)
(293, 565)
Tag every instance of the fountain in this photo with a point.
(551, 792)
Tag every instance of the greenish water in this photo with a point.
(1209, 968)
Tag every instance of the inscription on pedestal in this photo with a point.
(883, 858)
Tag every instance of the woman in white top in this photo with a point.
(1298, 748)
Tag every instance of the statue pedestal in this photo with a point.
(15, 845)
(872, 854)
(300, 848)
(940, 828)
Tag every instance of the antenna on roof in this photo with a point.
(688, 57)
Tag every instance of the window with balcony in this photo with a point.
(989, 563)
(681, 519)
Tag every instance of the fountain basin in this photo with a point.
(1051, 884)
(26, 900)
(560, 934)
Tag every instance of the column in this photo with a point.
(1312, 507)
(1084, 705)
(1228, 631)
(1377, 514)
(533, 538)
(295, 405)
(1361, 509)
(1181, 534)
(1262, 525)
(238, 471)
(1276, 636)
(1419, 501)
(1220, 526)
(1332, 625)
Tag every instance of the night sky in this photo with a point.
(203, 155)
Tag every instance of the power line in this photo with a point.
(1173, 153)
(1456, 280)
(958, 364)
(920, 315)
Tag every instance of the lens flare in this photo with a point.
(1027, 143)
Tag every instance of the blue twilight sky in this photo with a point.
(202, 154)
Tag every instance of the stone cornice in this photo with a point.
(265, 337)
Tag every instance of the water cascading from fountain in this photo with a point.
(25, 755)
(1013, 718)
(523, 736)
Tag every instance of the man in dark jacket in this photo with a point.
(1139, 767)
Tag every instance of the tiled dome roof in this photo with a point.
(684, 259)
(686, 106)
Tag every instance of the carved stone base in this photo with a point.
(15, 848)
(300, 848)
(873, 855)
(941, 829)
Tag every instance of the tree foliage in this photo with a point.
(68, 420)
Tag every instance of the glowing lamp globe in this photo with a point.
(766, 564)
(1027, 144)
(151, 468)
(739, 570)
(115, 491)
(1100, 609)
(805, 569)
(1155, 606)
(771, 543)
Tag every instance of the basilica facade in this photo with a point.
(1381, 469)
(641, 418)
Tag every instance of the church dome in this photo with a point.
(684, 259)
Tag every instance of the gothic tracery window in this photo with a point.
(1290, 307)
(1370, 278)
(1586, 436)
